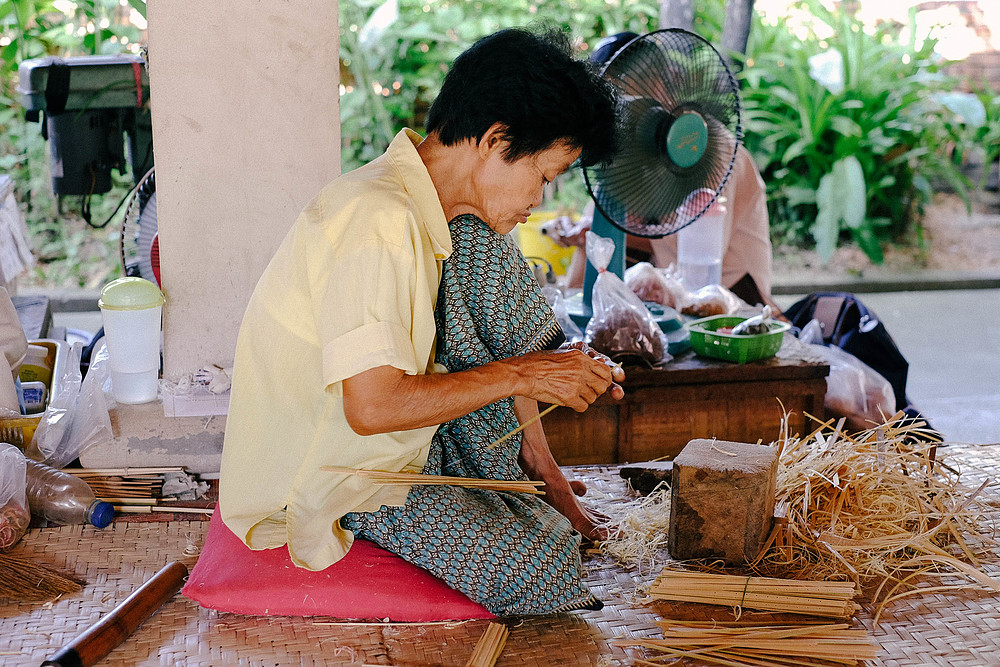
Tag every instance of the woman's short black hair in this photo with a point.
(529, 82)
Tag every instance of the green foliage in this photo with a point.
(395, 53)
(842, 131)
(69, 253)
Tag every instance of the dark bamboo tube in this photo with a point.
(102, 637)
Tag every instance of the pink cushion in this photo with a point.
(368, 583)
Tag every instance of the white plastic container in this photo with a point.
(699, 248)
(131, 310)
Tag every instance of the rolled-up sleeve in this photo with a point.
(365, 313)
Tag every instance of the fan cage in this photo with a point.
(659, 76)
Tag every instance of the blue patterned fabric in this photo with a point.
(510, 552)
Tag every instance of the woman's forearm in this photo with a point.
(386, 399)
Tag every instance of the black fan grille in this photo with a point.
(659, 76)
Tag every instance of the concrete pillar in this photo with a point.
(246, 128)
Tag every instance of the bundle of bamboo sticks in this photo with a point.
(814, 598)
(489, 646)
(133, 490)
(758, 644)
(386, 477)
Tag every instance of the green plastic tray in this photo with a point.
(706, 341)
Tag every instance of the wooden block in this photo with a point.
(721, 500)
(645, 477)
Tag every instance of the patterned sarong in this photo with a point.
(510, 552)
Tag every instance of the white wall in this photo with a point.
(246, 128)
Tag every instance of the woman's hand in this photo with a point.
(568, 376)
(617, 374)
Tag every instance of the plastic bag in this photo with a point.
(621, 326)
(557, 302)
(712, 300)
(77, 418)
(657, 285)
(14, 514)
(853, 389)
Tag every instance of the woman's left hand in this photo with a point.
(617, 373)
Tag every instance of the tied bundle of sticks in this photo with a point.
(757, 644)
(876, 508)
(813, 598)
(489, 646)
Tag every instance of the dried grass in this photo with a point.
(878, 509)
(29, 581)
(883, 508)
(637, 532)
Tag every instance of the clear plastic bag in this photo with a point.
(712, 300)
(621, 326)
(14, 514)
(77, 418)
(657, 285)
(557, 302)
(853, 388)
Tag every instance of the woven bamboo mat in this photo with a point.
(944, 629)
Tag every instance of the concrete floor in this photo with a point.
(951, 339)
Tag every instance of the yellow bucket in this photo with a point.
(534, 243)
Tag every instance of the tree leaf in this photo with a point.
(849, 183)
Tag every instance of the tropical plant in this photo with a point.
(36, 28)
(395, 53)
(836, 120)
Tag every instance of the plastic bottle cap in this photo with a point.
(100, 514)
(130, 293)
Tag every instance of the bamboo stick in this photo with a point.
(523, 426)
(413, 478)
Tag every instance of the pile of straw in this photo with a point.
(876, 508)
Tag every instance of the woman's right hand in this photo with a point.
(567, 376)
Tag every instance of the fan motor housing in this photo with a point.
(89, 103)
(687, 138)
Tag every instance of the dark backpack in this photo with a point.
(853, 327)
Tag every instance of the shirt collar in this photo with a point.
(418, 184)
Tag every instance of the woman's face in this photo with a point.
(507, 191)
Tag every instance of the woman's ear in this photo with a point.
(492, 140)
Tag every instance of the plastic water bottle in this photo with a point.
(64, 499)
(699, 248)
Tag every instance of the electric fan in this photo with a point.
(139, 244)
(677, 135)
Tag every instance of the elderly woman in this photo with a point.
(382, 336)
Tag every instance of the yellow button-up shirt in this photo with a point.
(352, 287)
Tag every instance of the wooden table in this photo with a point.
(691, 397)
